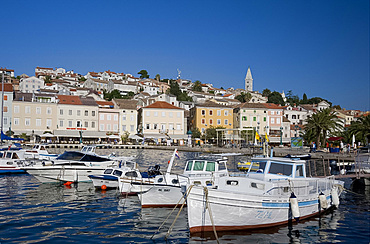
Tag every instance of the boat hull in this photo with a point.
(235, 211)
(51, 174)
(159, 196)
(108, 181)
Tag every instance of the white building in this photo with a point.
(31, 84)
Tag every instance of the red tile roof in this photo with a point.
(68, 99)
(161, 104)
(104, 103)
(7, 87)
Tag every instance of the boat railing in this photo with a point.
(301, 187)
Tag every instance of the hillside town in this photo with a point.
(56, 105)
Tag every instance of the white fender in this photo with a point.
(294, 206)
(323, 202)
(334, 196)
(75, 176)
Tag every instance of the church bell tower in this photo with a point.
(249, 81)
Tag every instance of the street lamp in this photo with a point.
(296, 127)
(205, 138)
(281, 136)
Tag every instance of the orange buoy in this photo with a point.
(103, 187)
(68, 183)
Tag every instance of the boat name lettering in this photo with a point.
(261, 214)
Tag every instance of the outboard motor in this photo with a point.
(154, 170)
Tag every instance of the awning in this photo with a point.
(135, 137)
(113, 137)
(47, 135)
(335, 138)
(76, 133)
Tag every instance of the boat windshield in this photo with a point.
(76, 156)
(257, 167)
(211, 166)
(221, 166)
(117, 173)
(198, 165)
(108, 171)
(281, 169)
(189, 165)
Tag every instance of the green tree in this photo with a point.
(291, 98)
(195, 132)
(82, 78)
(113, 94)
(157, 77)
(275, 97)
(266, 92)
(244, 97)
(361, 129)
(321, 123)
(124, 137)
(197, 86)
(47, 79)
(175, 90)
(337, 107)
(304, 99)
(143, 74)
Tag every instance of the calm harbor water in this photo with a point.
(32, 212)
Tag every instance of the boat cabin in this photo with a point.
(195, 167)
(88, 149)
(276, 168)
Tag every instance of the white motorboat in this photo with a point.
(71, 166)
(167, 190)
(39, 151)
(362, 161)
(109, 178)
(275, 191)
(10, 160)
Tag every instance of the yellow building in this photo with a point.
(210, 114)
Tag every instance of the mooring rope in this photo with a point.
(210, 213)
(173, 209)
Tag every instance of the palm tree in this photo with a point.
(361, 129)
(322, 122)
(244, 97)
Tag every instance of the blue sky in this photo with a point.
(320, 48)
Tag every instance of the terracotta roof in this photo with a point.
(161, 104)
(5, 69)
(125, 103)
(68, 99)
(211, 104)
(272, 106)
(105, 103)
(89, 101)
(43, 68)
(7, 87)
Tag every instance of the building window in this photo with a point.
(5, 98)
(123, 127)
(16, 109)
(147, 113)
(27, 122)
(163, 114)
(226, 113)
(38, 110)
(210, 112)
(102, 117)
(101, 127)
(61, 111)
(148, 126)
(155, 126)
(86, 112)
(61, 123)
(27, 109)
(5, 121)
(203, 121)
(278, 112)
(78, 112)
(109, 117)
(155, 114)
(171, 114)
(70, 112)
(115, 117)
(16, 121)
(70, 123)
(93, 113)
(124, 117)
(5, 109)
(218, 121)
(93, 124)
(272, 112)
(132, 128)
(226, 122)
(244, 118)
(78, 124)
(115, 127)
(218, 112)
(178, 115)
(272, 120)
(48, 123)
(38, 122)
(132, 118)
(203, 112)
(48, 110)
(108, 127)
(86, 124)
(211, 121)
(254, 118)
(294, 116)
(278, 120)
(264, 119)
(178, 127)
